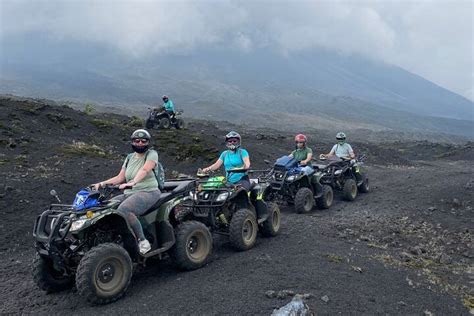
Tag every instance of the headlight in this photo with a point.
(338, 172)
(76, 225)
(222, 197)
(291, 178)
(193, 195)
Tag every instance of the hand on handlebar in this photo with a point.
(123, 186)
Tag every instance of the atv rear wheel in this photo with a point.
(149, 124)
(193, 245)
(48, 278)
(364, 186)
(271, 226)
(304, 200)
(325, 201)
(179, 124)
(243, 230)
(349, 191)
(165, 123)
(104, 273)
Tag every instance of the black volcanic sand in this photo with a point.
(404, 248)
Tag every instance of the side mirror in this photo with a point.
(55, 194)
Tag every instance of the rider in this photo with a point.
(233, 158)
(168, 105)
(341, 149)
(303, 154)
(137, 179)
(344, 150)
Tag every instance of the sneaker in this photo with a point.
(144, 246)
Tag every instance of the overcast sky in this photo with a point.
(433, 39)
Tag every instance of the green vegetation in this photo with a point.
(135, 121)
(334, 258)
(89, 108)
(83, 149)
(102, 124)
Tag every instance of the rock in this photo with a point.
(270, 294)
(357, 269)
(416, 250)
(295, 307)
(405, 256)
(307, 296)
(281, 295)
(428, 313)
(445, 259)
(432, 209)
(325, 298)
(364, 238)
(288, 292)
(468, 253)
(456, 202)
(9, 188)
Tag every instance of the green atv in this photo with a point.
(92, 245)
(231, 210)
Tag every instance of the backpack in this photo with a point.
(158, 171)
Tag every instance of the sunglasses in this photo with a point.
(233, 141)
(140, 140)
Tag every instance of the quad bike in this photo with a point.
(163, 119)
(231, 210)
(343, 175)
(289, 184)
(92, 245)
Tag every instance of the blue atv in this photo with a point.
(91, 244)
(288, 183)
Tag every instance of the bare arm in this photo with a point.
(118, 179)
(214, 166)
(308, 159)
(246, 162)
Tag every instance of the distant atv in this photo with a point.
(340, 175)
(162, 119)
(231, 210)
(90, 242)
(289, 184)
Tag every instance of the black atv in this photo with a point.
(340, 174)
(289, 184)
(92, 245)
(231, 210)
(162, 119)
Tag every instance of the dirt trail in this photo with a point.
(404, 248)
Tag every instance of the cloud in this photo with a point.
(431, 38)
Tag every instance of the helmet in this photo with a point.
(140, 133)
(300, 138)
(233, 135)
(341, 136)
(165, 98)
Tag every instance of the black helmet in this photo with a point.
(231, 144)
(165, 98)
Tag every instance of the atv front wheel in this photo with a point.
(179, 124)
(104, 273)
(304, 200)
(193, 245)
(243, 230)
(149, 124)
(325, 201)
(165, 123)
(349, 191)
(364, 186)
(48, 278)
(271, 226)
